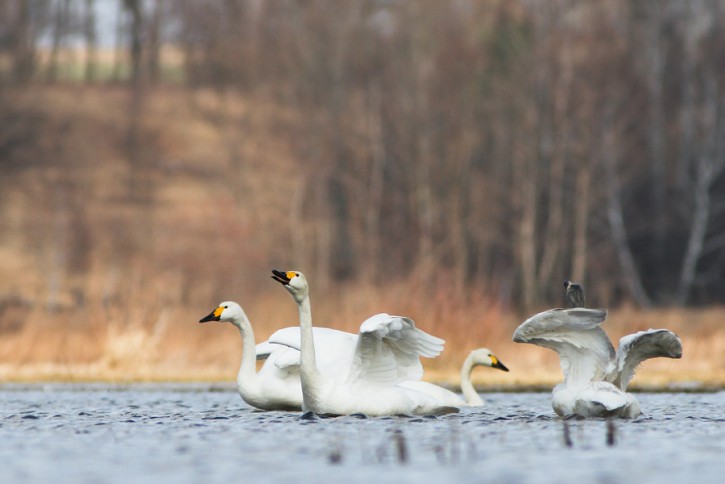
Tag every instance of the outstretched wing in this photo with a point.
(635, 348)
(584, 349)
(333, 349)
(389, 349)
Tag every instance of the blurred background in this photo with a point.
(451, 160)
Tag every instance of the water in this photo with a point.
(151, 434)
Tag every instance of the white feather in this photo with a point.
(595, 377)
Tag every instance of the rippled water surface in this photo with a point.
(155, 434)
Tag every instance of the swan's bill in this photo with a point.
(283, 278)
(213, 316)
(496, 363)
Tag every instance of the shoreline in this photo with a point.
(18, 377)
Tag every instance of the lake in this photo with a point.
(196, 433)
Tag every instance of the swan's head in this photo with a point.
(294, 281)
(226, 311)
(483, 356)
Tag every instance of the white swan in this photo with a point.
(277, 385)
(477, 357)
(338, 348)
(387, 352)
(595, 377)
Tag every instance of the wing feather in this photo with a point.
(333, 349)
(264, 349)
(635, 348)
(575, 334)
(389, 349)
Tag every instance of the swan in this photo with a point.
(340, 350)
(595, 376)
(277, 385)
(477, 357)
(387, 351)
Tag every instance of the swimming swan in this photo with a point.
(387, 352)
(595, 377)
(477, 357)
(277, 385)
(339, 348)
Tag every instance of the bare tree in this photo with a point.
(709, 165)
(61, 28)
(632, 278)
(22, 39)
(653, 59)
(91, 40)
(138, 179)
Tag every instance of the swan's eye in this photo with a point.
(297, 274)
(226, 307)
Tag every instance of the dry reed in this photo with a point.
(146, 340)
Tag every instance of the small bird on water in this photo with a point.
(574, 294)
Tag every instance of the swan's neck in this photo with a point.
(469, 393)
(247, 375)
(309, 373)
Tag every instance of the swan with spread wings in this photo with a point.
(387, 352)
(595, 376)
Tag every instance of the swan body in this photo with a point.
(471, 398)
(339, 347)
(595, 376)
(387, 352)
(277, 384)
(336, 348)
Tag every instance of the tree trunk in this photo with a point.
(135, 9)
(61, 29)
(632, 279)
(654, 75)
(154, 42)
(525, 188)
(138, 179)
(710, 164)
(581, 218)
(91, 38)
(375, 184)
(23, 44)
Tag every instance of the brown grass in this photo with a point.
(167, 343)
(213, 233)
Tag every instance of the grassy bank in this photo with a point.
(168, 345)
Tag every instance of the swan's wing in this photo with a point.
(333, 349)
(285, 358)
(286, 337)
(283, 363)
(635, 348)
(389, 349)
(584, 349)
(264, 349)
